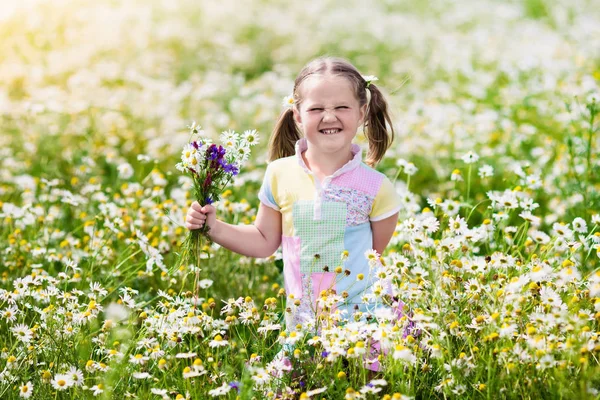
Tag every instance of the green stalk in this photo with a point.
(469, 182)
(592, 108)
(198, 244)
(397, 175)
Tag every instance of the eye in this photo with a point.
(342, 108)
(315, 109)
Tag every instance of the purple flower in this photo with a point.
(215, 153)
(231, 169)
(324, 354)
(212, 152)
(196, 145)
(208, 200)
(235, 385)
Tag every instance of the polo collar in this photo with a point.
(302, 146)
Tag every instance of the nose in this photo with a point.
(329, 115)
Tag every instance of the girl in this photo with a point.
(318, 200)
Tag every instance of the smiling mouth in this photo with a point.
(330, 131)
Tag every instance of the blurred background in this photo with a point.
(506, 79)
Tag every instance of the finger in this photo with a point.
(196, 206)
(199, 220)
(195, 221)
(193, 226)
(207, 208)
(195, 214)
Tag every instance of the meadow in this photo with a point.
(496, 253)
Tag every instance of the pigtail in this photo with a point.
(284, 137)
(378, 126)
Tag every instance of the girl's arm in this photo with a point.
(258, 240)
(383, 231)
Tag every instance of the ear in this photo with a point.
(297, 116)
(362, 114)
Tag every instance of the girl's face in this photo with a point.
(329, 113)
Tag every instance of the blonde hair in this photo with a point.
(378, 125)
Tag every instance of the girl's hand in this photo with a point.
(198, 215)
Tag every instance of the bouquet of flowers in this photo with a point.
(211, 168)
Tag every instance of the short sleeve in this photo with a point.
(265, 194)
(386, 203)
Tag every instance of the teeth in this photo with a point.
(330, 131)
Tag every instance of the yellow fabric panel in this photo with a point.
(290, 183)
(387, 200)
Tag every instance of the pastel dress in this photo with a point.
(320, 221)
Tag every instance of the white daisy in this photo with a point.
(579, 225)
(251, 137)
(533, 181)
(76, 376)
(125, 170)
(261, 377)
(470, 157)
(410, 169)
(97, 389)
(562, 230)
(486, 171)
(138, 359)
(458, 225)
(288, 102)
(26, 390)
(141, 375)
(205, 283)
(218, 341)
(370, 79)
(10, 313)
(403, 353)
(61, 382)
(195, 129)
(22, 332)
(221, 390)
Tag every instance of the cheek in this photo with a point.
(310, 119)
(351, 118)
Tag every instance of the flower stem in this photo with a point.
(592, 109)
(198, 244)
(469, 183)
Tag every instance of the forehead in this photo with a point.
(327, 88)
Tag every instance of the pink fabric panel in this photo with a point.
(291, 265)
(322, 281)
(375, 348)
(374, 352)
(362, 179)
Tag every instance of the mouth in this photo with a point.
(331, 131)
